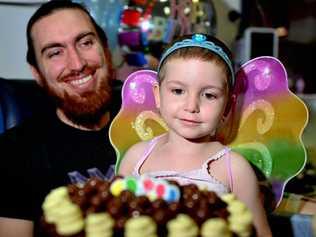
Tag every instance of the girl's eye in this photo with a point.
(209, 96)
(177, 91)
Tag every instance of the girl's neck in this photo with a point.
(190, 146)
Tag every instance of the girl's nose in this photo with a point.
(192, 104)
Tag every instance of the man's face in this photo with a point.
(73, 65)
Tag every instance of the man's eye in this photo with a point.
(177, 91)
(86, 43)
(53, 53)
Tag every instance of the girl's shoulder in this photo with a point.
(142, 147)
(137, 149)
(131, 157)
(139, 145)
(235, 155)
(241, 167)
(238, 159)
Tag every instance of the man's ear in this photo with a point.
(37, 75)
(156, 90)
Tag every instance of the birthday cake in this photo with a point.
(143, 207)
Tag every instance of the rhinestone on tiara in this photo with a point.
(200, 40)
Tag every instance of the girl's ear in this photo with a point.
(156, 90)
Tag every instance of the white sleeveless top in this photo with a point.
(200, 177)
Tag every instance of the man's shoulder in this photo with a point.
(27, 130)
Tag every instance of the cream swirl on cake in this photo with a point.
(128, 207)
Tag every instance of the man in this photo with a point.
(69, 58)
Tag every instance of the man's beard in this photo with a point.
(88, 110)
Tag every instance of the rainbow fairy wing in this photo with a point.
(138, 119)
(268, 121)
(265, 123)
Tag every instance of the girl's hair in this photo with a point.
(199, 46)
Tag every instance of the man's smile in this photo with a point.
(81, 81)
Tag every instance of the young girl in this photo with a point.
(196, 78)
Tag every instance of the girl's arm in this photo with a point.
(246, 188)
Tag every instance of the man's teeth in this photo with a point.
(81, 81)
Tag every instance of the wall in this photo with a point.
(13, 20)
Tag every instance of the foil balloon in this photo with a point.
(147, 25)
(265, 123)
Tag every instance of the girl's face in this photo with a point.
(192, 97)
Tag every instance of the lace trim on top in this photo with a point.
(201, 176)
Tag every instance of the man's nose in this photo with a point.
(192, 104)
(75, 60)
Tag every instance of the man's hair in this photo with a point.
(49, 8)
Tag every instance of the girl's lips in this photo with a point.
(189, 122)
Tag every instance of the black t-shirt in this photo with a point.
(43, 154)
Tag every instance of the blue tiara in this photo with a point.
(199, 40)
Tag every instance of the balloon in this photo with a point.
(146, 26)
(138, 30)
